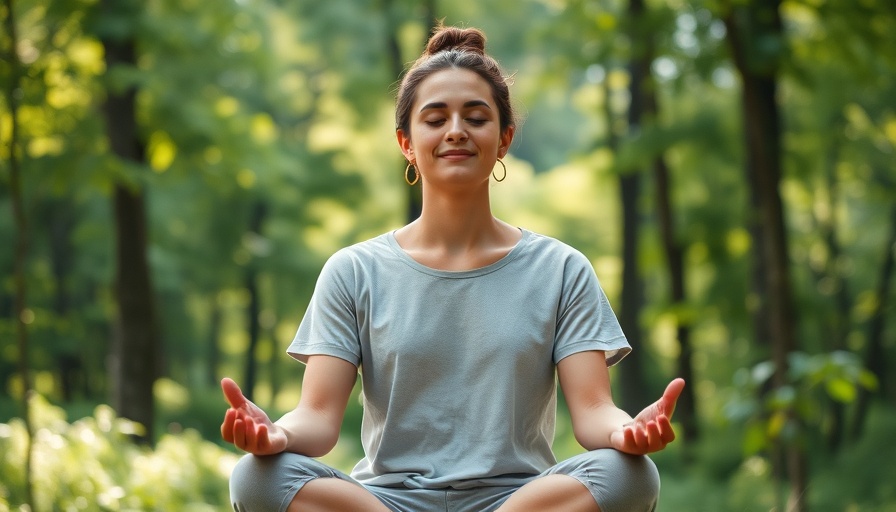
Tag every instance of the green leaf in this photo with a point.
(755, 439)
(868, 380)
(841, 390)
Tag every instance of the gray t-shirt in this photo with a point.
(457, 368)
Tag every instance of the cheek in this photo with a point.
(424, 139)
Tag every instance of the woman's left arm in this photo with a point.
(598, 423)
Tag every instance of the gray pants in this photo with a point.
(618, 482)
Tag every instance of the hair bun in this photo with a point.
(454, 38)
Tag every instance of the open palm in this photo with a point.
(247, 426)
(651, 429)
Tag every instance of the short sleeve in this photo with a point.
(585, 320)
(330, 325)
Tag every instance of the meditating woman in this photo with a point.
(458, 324)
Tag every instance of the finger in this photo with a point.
(666, 430)
(227, 425)
(671, 394)
(232, 393)
(629, 436)
(251, 437)
(239, 434)
(641, 439)
(262, 440)
(654, 439)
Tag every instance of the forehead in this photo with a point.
(453, 84)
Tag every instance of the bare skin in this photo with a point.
(553, 493)
(455, 148)
(455, 140)
(331, 495)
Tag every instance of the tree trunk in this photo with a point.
(686, 409)
(256, 219)
(20, 251)
(214, 334)
(275, 365)
(134, 353)
(135, 344)
(252, 311)
(68, 359)
(633, 395)
(752, 30)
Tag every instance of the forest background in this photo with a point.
(175, 173)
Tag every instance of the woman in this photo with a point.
(458, 323)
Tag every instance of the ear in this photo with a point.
(404, 142)
(506, 139)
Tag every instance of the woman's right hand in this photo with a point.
(247, 427)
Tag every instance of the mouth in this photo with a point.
(456, 154)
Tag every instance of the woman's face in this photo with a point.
(455, 133)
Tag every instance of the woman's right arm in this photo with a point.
(311, 429)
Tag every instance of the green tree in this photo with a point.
(136, 343)
(13, 74)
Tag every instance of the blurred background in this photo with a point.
(175, 173)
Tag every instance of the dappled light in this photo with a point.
(174, 175)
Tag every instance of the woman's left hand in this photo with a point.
(651, 430)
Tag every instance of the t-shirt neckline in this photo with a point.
(458, 274)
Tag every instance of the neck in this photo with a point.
(457, 232)
(456, 221)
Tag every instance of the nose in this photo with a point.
(456, 130)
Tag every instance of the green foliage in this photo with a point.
(92, 464)
(788, 411)
(852, 479)
(748, 488)
(287, 104)
(844, 482)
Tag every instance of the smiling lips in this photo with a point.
(456, 153)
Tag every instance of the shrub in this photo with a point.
(92, 464)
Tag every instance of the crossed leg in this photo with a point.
(329, 494)
(615, 480)
(552, 493)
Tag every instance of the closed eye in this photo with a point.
(475, 121)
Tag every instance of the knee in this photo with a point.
(621, 482)
(643, 476)
(270, 482)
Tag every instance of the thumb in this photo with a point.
(671, 394)
(232, 393)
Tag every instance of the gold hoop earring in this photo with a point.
(503, 175)
(416, 174)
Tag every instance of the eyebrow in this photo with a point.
(469, 104)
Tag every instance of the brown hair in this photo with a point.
(452, 47)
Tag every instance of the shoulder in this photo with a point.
(356, 259)
(545, 246)
(361, 252)
(569, 266)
